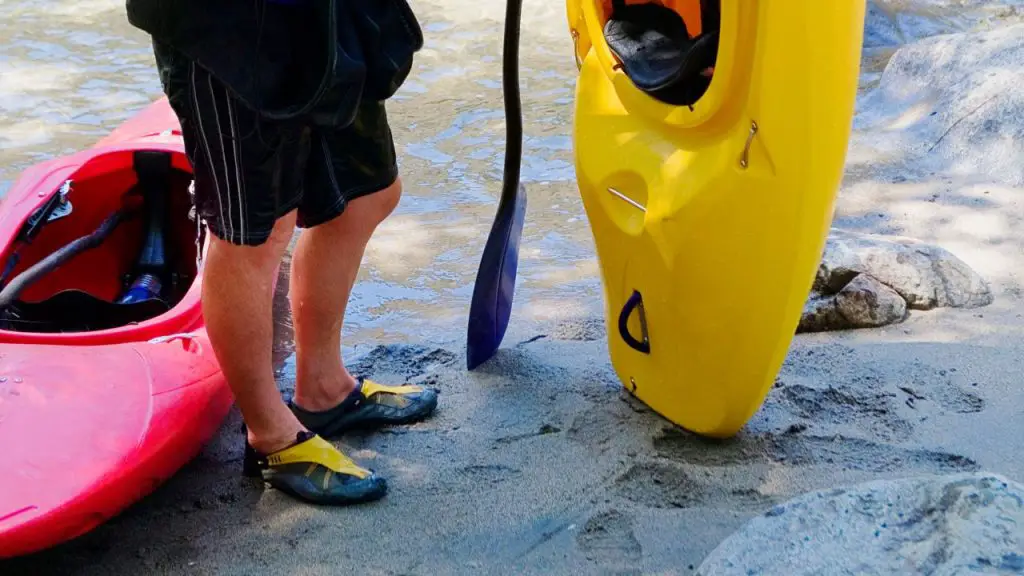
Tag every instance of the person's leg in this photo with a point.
(352, 185)
(247, 184)
(243, 253)
(237, 302)
(325, 263)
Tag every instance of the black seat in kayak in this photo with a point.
(76, 311)
(658, 54)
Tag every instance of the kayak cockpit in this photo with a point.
(108, 249)
(668, 51)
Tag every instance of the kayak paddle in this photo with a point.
(491, 305)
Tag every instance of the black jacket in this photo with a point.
(314, 61)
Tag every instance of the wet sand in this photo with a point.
(539, 462)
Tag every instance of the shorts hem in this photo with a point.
(338, 208)
(247, 239)
(252, 238)
(368, 189)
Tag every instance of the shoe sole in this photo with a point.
(371, 496)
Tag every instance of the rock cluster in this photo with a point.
(871, 280)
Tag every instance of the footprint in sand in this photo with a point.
(469, 478)
(665, 484)
(868, 410)
(408, 360)
(607, 539)
(806, 450)
(961, 401)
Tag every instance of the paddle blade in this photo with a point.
(495, 285)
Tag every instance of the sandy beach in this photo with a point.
(539, 462)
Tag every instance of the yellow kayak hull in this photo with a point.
(713, 219)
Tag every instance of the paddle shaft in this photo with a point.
(513, 104)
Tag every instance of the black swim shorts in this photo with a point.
(250, 171)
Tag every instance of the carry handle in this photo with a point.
(635, 302)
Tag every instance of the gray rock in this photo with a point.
(821, 314)
(865, 303)
(938, 525)
(926, 276)
(839, 265)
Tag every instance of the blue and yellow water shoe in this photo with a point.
(315, 471)
(371, 405)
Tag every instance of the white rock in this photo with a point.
(893, 22)
(839, 264)
(938, 525)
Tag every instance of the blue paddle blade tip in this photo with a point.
(491, 306)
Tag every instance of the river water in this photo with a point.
(71, 70)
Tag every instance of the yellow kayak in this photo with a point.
(710, 185)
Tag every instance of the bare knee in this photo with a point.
(363, 214)
(262, 257)
(387, 200)
(372, 209)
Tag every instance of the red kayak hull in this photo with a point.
(91, 422)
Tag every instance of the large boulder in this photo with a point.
(941, 525)
(950, 104)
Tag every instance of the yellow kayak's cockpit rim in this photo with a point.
(729, 85)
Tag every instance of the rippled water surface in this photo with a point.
(71, 70)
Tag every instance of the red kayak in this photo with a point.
(108, 383)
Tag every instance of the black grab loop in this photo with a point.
(658, 54)
(635, 302)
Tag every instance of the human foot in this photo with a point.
(321, 390)
(279, 436)
(370, 405)
(314, 471)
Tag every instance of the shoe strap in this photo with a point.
(316, 450)
(369, 388)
